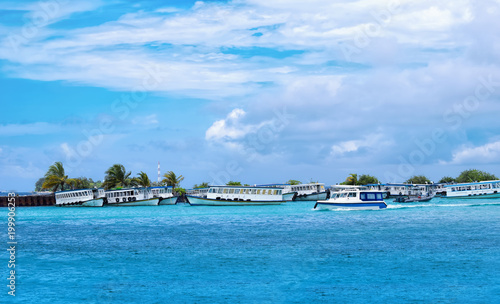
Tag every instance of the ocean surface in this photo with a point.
(442, 251)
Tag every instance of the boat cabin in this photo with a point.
(245, 193)
(128, 195)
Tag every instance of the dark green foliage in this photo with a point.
(447, 180)
(418, 179)
(474, 175)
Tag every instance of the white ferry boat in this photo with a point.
(165, 194)
(395, 190)
(486, 189)
(81, 198)
(358, 198)
(199, 192)
(305, 192)
(241, 196)
(131, 197)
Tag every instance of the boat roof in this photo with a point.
(156, 187)
(124, 189)
(73, 190)
(281, 185)
(249, 187)
(358, 190)
(473, 184)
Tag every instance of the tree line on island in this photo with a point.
(116, 176)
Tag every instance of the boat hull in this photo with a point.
(290, 196)
(98, 202)
(476, 196)
(350, 206)
(198, 201)
(168, 201)
(146, 202)
(311, 197)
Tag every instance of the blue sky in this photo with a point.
(249, 90)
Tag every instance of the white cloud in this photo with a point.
(36, 128)
(168, 10)
(374, 142)
(146, 120)
(193, 63)
(488, 153)
(228, 128)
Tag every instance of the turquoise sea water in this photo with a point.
(443, 251)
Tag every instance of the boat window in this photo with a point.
(258, 191)
(275, 192)
(254, 191)
(362, 196)
(225, 191)
(379, 196)
(370, 196)
(352, 194)
(231, 191)
(279, 192)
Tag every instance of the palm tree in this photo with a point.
(171, 179)
(116, 175)
(202, 185)
(143, 180)
(55, 177)
(352, 179)
(79, 183)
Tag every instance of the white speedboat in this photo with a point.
(131, 197)
(80, 198)
(241, 196)
(358, 198)
(165, 195)
(486, 189)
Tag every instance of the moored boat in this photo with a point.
(357, 198)
(485, 189)
(240, 196)
(165, 194)
(80, 198)
(131, 197)
(199, 192)
(413, 198)
(305, 192)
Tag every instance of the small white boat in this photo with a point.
(131, 197)
(164, 194)
(241, 196)
(486, 189)
(80, 198)
(358, 198)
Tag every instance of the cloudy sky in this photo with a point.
(257, 91)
